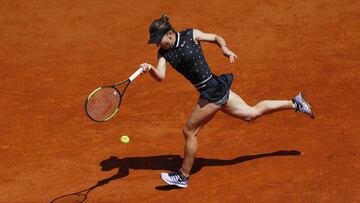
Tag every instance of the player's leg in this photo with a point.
(202, 114)
(237, 107)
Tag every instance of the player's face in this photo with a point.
(167, 41)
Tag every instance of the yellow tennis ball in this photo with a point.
(125, 139)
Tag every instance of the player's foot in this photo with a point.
(301, 104)
(175, 178)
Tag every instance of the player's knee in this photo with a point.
(249, 119)
(188, 132)
(252, 116)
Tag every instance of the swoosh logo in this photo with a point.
(183, 44)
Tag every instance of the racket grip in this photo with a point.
(137, 73)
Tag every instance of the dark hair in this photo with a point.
(159, 28)
(159, 24)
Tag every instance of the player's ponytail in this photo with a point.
(165, 17)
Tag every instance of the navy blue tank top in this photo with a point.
(187, 58)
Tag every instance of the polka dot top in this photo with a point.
(187, 58)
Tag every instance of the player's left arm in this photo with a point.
(210, 37)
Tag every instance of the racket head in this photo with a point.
(103, 103)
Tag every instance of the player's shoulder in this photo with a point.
(187, 32)
(161, 51)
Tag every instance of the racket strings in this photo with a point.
(103, 103)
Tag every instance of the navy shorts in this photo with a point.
(217, 89)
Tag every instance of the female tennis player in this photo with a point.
(183, 51)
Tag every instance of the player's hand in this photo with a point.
(145, 67)
(227, 52)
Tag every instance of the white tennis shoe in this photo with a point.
(175, 178)
(302, 105)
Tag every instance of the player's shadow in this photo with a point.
(173, 162)
(162, 162)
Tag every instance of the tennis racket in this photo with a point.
(104, 102)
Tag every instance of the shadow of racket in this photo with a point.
(78, 197)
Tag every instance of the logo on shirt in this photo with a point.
(183, 44)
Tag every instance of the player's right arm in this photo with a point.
(157, 73)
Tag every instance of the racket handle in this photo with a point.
(137, 73)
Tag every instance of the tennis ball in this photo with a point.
(124, 139)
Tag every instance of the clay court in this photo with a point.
(54, 53)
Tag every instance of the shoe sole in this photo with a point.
(182, 186)
(312, 115)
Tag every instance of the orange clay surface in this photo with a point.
(53, 53)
